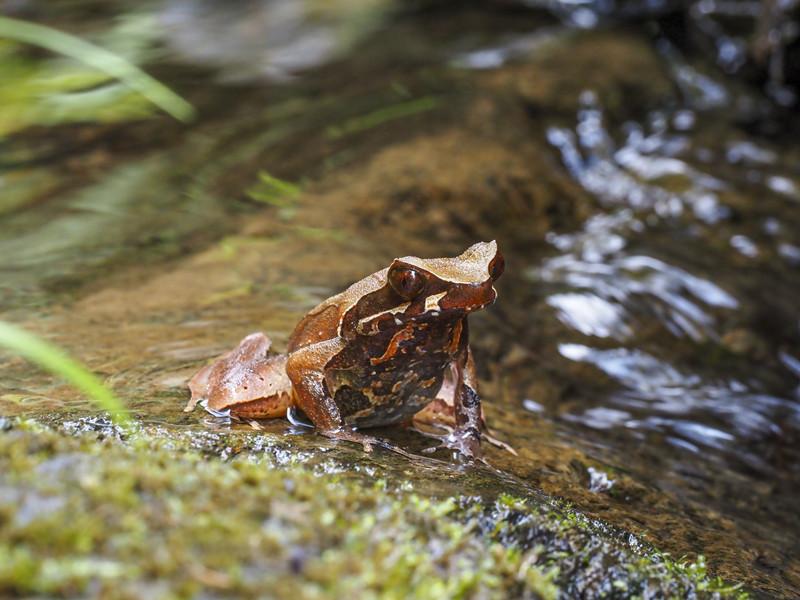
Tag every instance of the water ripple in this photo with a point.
(616, 290)
(635, 174)
(705, 414)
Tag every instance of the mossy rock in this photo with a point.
(107, 512)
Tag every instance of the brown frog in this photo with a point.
(391, 348)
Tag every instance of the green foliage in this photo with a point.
(696, 569)
(77, 88)
(58, 362)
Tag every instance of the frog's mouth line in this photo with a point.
(437, 312)
(488, 296)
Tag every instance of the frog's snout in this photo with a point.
(469, 297)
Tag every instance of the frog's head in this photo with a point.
(439, 287)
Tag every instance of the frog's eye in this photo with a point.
(497, 266)
(406, 282)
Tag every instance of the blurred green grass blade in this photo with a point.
(274, 191)
(383, 115)
(56, 361)
(99, 58)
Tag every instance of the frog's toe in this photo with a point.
(296, 418)
(367, 442)
(467, 442)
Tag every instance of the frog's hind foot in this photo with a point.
(450, 441)
(367, 441)
(465, 444)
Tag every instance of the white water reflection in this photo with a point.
(749, 153)
(635, 174)
(591, 315)
(495, 56)
(744, 245)
(790, 252)
(663, 251)
(617, 292)
(271, 39)
(783, 185)
(655, 395)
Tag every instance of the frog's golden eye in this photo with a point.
(406, 282)
(497, 266)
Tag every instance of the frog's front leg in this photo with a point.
(467, 435)
(305, 368)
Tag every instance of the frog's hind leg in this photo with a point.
(246, 383)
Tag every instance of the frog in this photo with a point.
(390, 349)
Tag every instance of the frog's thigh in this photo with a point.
(305, 369)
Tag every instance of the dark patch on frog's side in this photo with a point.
(350, 401)
(394, 389)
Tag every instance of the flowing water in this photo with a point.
(644, 354)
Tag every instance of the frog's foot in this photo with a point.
(367, 441)
(466, 441)
(248, 382)
(298, 419)
(486, 435)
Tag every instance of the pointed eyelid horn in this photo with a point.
(470, 267)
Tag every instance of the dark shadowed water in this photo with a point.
(644, 354)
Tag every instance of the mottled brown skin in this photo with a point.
(383, 350)
(372, 357)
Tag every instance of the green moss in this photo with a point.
(179, 513)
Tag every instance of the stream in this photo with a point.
(643, 356)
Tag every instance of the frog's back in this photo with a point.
(322, 323)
